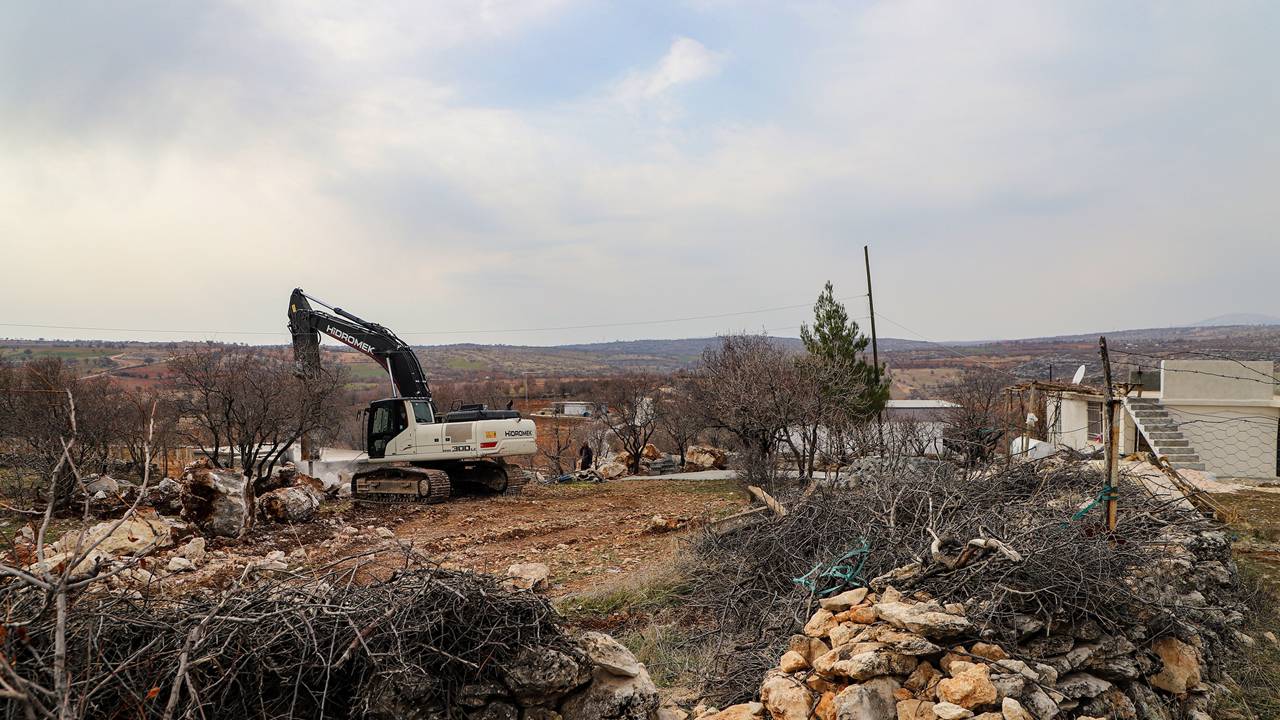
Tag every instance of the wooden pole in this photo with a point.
(1113, 438)
(875, 347)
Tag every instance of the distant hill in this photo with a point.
(1239, 319)
(588, 358)
(1027, 358)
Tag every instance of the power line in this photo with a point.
(148, 330)
(596, 326)
(1262, 377)
(947, 348)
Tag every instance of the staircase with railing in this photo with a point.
(1162, 433)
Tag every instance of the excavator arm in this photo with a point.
(390, 352)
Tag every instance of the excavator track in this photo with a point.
(401, 485)
(516, 480)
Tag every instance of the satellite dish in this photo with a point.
(1078, 376)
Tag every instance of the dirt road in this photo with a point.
(585, 534)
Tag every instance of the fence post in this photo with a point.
(1112, 444)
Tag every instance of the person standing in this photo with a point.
(585, 457)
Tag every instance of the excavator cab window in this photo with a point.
(386, 420)
(422, 414)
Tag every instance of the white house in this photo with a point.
(1061, 414)
(917, 426)
(1222, 416)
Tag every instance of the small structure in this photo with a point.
(1221, 416)
(917, 426)
(571, 408)
(1061, 414)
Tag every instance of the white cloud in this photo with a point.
(343, 151)
(362, 32)
(686, 61)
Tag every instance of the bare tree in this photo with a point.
(34, 412)
(737, 390)
(975, 427)
(680, 418)
(148, 425)
(50, 690)
(246, 407)
(556, 441)
(632, 413)
(821, 398)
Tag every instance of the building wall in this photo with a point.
(916, 436)
(1071, 428)
(1232, 440)
(1217, 380)
(558, 433)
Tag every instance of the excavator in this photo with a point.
(416, 454)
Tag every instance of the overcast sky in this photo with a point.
(1018, 169)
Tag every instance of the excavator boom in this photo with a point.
(393, 354)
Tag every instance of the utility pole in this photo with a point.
(1113, 438)
(875, 347)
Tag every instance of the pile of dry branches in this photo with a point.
(1003, 542)
(323, 645)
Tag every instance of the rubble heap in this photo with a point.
(427, 643)
(953, 596)
(887, 656)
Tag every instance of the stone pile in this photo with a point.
(889, 656)
(593, 678)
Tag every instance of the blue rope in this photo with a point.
(844, 574)
(1106, 491)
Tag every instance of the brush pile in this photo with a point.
(427, 643)
(1013, 562)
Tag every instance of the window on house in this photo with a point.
(1095, 421)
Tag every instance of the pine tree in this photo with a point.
(836, 339)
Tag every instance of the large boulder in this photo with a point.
(609, 654)
(134, 536)
(705, 457)
(620, 688)
(295, 503)
(527, 576)
(611, 470)
(610, 697)
(217, 501)
(542, 672)
(106, 541)
(872, 700)
(786, 698)
(95, 484)
(741, 711)
(850, 661)
(969, 687)
(165, 496)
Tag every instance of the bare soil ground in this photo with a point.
(587, 534)
(1256, 517)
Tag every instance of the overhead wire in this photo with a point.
(947, 347)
